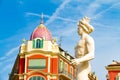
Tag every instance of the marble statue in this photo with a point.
(84, 50)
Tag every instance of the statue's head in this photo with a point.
(84, 24)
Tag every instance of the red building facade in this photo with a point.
(40, 58)
(113, 71)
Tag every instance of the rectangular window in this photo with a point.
(66, 68)
(37, 64)
(71, 72)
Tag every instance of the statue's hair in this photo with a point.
(84, 23)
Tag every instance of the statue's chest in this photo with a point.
(81, 44)
(80, 48)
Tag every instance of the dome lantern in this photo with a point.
(41, 32)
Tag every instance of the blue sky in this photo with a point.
(18, 18)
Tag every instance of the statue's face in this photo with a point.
(80, 31)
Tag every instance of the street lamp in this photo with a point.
(107, 76)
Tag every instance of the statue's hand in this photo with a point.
(75, 61)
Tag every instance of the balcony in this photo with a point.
(66, 74)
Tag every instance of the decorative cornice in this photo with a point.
(46, 53)
(115, 68)
(22, 55)
(44, 73)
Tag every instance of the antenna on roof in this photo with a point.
(60, 41)
(41, 21)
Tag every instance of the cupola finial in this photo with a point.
(41, 22)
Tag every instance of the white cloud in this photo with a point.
(106, 10)
(35, 14)
(8, 60)
(57, 1)
(103, 26)
(8, 54)
(65, 31)
(6, 68)
(53, 17)
(20, 2)
(2, 58)
(47, 16)
(92, 9)
(107, 1)
(6, 63)
(12, 51)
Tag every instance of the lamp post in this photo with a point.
(107, 76)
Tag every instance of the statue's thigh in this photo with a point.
(82, 75)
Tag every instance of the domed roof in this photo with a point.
(41, 32)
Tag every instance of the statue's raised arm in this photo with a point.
(84, 50)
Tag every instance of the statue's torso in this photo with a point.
(81, 49)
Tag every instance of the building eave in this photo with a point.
(115, 68)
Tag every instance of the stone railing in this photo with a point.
(67, 74)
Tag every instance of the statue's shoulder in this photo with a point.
(89, 39)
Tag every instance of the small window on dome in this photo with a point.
(39, 43)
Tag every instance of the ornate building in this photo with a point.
(40, 58)
(113, 71)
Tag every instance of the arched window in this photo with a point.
(38, 43)
(36, 78)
